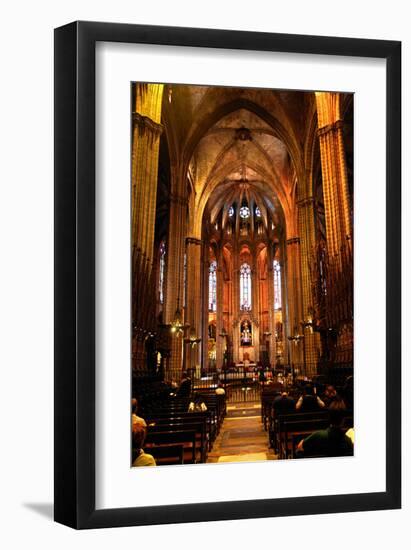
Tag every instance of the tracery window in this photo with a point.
(162, 270)
(277, 284)
(231, 211)
(244, 212)
(257, 212)
(212, 287)
(245, 287)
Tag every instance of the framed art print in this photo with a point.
(227, 275)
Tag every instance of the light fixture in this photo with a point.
(177, 325)
(192, 339)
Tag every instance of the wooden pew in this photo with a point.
(168, 455)
(202, 443)
(276, 427)
(194, 416)
(267, 399)
(294, 430)
(172, 437)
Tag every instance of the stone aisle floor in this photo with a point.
(242, 437)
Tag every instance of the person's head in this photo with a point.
(309, 390)
(337, 411)
(330, 391)
(197, 398)
(139, 435)
(134, 405)
(284, 394)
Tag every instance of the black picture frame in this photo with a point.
(74, 458)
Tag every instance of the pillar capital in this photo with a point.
(145, 124)
(193, 240)
(334, 126)
(307, 201)
(293, 240)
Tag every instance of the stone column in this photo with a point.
(255, 307)
(306, 225)
(334, 171)
(204, 306)
(294, 298)
(338, 223)
(193, 304)
(236, 305)
(174, 280)
(219, 325)
(284, 306)
(270, 275)
(146, 133)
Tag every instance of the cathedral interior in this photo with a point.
(242, 234)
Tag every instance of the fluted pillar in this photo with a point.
(271, 313)
(146, 133)
(284, 311)
(334, 171)
(236, 305)
(255, 307)
(306, 225)
(175, 279)
(338, 223)
(204, 305)
(294, 299)
(219, 325)
(193, 299)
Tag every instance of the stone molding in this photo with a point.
(293, 240)
(330, 127)
(145, 123)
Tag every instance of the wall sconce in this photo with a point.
(192, 339)
(177, 326)
(308, 323)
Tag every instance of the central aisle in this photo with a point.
(242, 437)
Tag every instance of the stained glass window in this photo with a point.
(277, 284)
(212, 287)
(231, 211)
(245, 287)
(257, 212)
(162, 269)
(244, 212)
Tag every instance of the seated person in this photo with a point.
(197, 405)
(332, 441)
(277, 384)
(185, 386)
(329, 395)
(309, 401)
(283, 404)
(140, 458)
(134, 418)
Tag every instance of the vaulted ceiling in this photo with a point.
(232, 139)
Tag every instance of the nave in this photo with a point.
(242, 273)
(242, 437)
